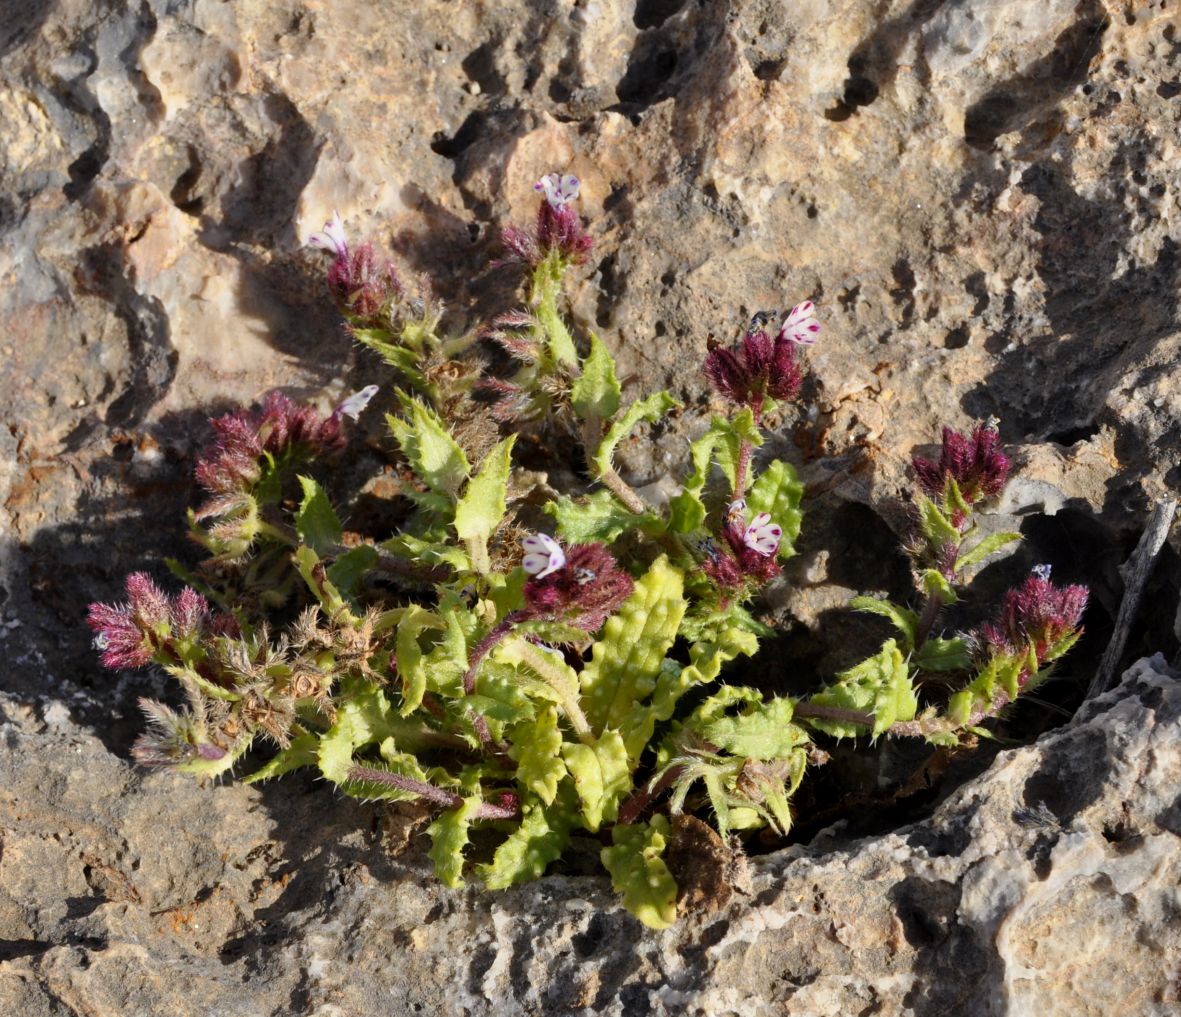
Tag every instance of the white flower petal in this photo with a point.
(545, 555)
(332, 238)
(801, 325)
(762, 535)
(354, 404)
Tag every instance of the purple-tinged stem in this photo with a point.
(927, 619)
(803, 709)
(484, 647)
(635, 806)
(448, 799)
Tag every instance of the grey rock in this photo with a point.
(1046, 885)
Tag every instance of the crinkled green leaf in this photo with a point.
(935, 584)
(943, 655)
(316, 521)
(547, 280)
(596, 392)
(363, 717)
(778, 492)
(674, 680)
(639, 873)
(906, 621)
(412, 665)
(880, 685)
(598, 518)
(482, 507)
(651, 408)
(740, 427)
(433, 454)
(543, 833)
(686, 509)
(935, 526)
(303, 751)
(349, 568)
(536, 746)
(308, 563)
(763, 730)
(499, 698)
(402, 764)
(626, 658)
(602, 776)
(428, 552)
(449, 837)
(989, 545)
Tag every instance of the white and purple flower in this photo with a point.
(559, 190)
(543, 555)
(332, 238)
(801, 325)
(356, 403)
(762, 535)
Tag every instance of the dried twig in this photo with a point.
(1135, 572)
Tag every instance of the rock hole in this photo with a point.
(607, 294)
(480, 67)
(654, 13)
(648, 72)
(454, 146)
(182, 193)
(769, 70)
(1169, 89)
(1071, 435)
(956, 339)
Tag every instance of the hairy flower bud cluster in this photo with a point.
(558, 229)
(1037, 615)
(232, 464)
(131, 634)
(581, 585)
(361, 285)
(975, 462)
(752, 549)
(763, 367)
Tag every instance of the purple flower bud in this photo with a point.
(359, 283)
(762, 367)
(583, 591)
(1037, 613)
(558, 228)
(975, 462)
(129, 635)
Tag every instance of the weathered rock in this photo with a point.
(982, 199)
(1048, 885)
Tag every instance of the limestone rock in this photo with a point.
(981, 198)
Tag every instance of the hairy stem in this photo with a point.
(643, 797)
(927, 619)
(803, 709)
(423, 789)
(485, 646)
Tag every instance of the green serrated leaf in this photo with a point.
(651, 409)
(935, 526)
(412, 664)
(639, 873)
(935, 584)
(347, 571)
(301, 752)
(433, 454)
(540, 838)
(598, 518)
(764, 730)
(595, 394)
(362, 718)
(482, 507)
(626, 658)
(686, 509)
(880, 686)
(990, 544)
(738, 428)
(674, 680)
(449, 837)
(778, 492)
(316, 521)
(602, 776)
(906, 621)
(943, 655)
(308, 563)
(536, 746)
(547, 281)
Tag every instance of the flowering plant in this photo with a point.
(535, 677)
